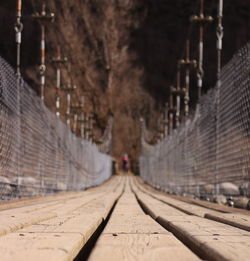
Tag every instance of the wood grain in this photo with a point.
(211, 240)
(132, 235)
(61, 236)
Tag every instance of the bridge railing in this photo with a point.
(38, 152)
(210, 152)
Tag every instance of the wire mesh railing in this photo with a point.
(210, 151)
(38, 153)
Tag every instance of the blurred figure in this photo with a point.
(125, 163)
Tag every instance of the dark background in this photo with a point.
(143, 39)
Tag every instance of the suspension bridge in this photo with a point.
(60, 198)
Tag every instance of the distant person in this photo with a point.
(125, 163)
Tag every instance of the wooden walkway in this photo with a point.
(123, 219)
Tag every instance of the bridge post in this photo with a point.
(75, 108)
(91, 124)
(219, 34)
(43, 18)
(171, 112)
(141, 122)
(178, 100)
(89, 127)
(18, 29)
(178, 92)
(166, 120)
(58, 61)
(188, 64)
(75, 118)
(69, 89)
(201, 20)
(82, 119)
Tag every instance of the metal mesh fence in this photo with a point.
(210, 152)
(38, 153)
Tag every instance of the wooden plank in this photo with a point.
(236, 220)
(198, 202)
(5, 205)
(152, 206)
(140, 247)
(233, 219)
(210, 239)
(132, 235)
(17, 218)
(180, 205)
(59, 238)
(45, 248)
(58, 196)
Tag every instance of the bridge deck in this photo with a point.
(129, 220)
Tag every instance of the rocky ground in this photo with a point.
(122, 54)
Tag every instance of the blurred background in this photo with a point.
(122, 55)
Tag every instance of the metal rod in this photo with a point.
(68, 108)
(91, 128)
(19, 7)
(106, 53)
(166, 120)
(58, 81)
(200, 61)
(171, 116)
(178, 98)
(76, 109)
(202, 20)
(42, 18)
(188, 65)
(83, 125)
(87, 127)
(82, 119)
(75, 123)
(187, 79)
(219, 33)
(58, 60)
(18, 30)
(42, 66)
(69, 89)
